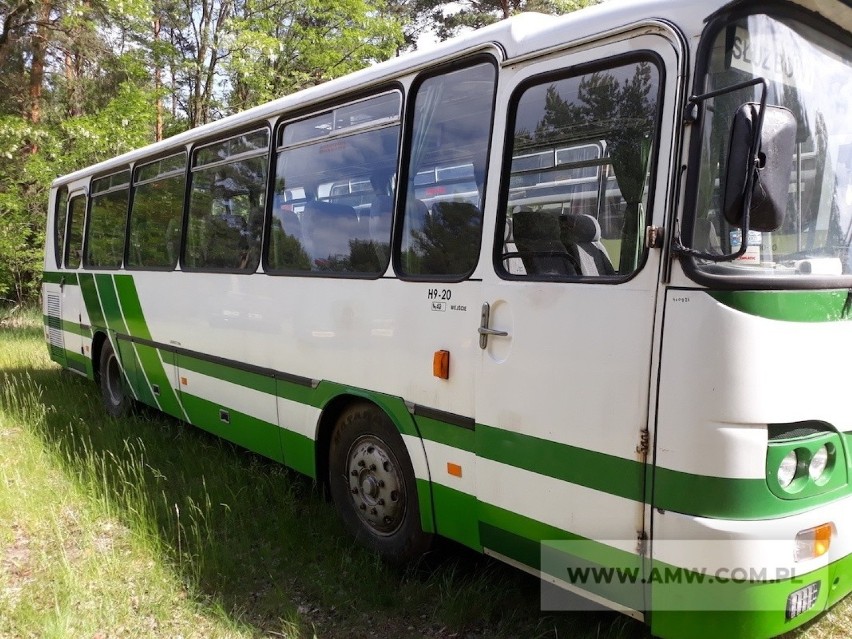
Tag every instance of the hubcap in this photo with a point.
(375, 485)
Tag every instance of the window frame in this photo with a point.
(570, 71)
(691, 269)
(66, 252)
(185, 200)
(192, 169)
(465, 62)
(277, 148)
(59, 246)
(92, 196)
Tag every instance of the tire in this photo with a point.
(372, 484)
(113, 388)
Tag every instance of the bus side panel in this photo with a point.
(728, 379)
(52, 313)
(67, 332)
(449, 450)
(234, 404)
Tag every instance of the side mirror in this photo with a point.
(773, 144)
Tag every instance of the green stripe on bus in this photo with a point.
(455, 515)
(424, 501)
(131, 307)
(528, 542)
(109, 304)
(68, 278)
(135, 379)
(391, 405)
(299, 452)
(262, 383)
(756, 607)
(599, 471)
(724, 498)
(686, 493)
(444, 433)
(150, 360)
(789, 306)
(78, 362)
(247, 431)
(90, 299)
(134, 319)
(715, 497)
(69, 327)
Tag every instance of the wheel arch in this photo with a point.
(98, 340)
(395, 409)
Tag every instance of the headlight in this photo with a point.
(818, 464)
(787, 468)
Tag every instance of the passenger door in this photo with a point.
(568, 312)
(72, 300)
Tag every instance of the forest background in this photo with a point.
(84, 80)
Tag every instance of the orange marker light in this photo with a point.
(441, 364)
(813, 542)
(454, 469)
(183, 381)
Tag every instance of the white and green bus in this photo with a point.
(573, 292)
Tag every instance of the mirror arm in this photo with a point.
(693, 114)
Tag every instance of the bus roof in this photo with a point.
(517, 37)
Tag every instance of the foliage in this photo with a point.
(450, 18)
(279, 48)
(85, 80)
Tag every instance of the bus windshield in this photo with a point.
(811, 75)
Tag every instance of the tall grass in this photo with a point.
(145, 526)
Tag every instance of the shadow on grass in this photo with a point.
(261, 543)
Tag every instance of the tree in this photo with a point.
(75, 90)
(279, 48)
(85, 80)
(451, 18)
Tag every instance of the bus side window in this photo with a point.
(104, 244)
(581, 153)
(156, 213)
(228, 194)
(74, 241)
(335, 214)
(61, 212)
(441, 231)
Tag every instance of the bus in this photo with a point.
(571, 291)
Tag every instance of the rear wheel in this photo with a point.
(373, 486)
(113, 388)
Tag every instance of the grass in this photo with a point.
(146, 527)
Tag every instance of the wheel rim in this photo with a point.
(376, 485)
(115, 391)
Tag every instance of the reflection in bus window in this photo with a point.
(156, 213)
(449, 147)
(226, 204)
(107, 215)
(815, 236)
(59, 223)
(578, 187)
(74, 241)
(334, 188)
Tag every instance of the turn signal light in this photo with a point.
(813, 542)
(441, 364)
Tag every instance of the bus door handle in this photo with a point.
(483, 330)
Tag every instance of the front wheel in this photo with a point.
(373, 486)
(113, 389)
